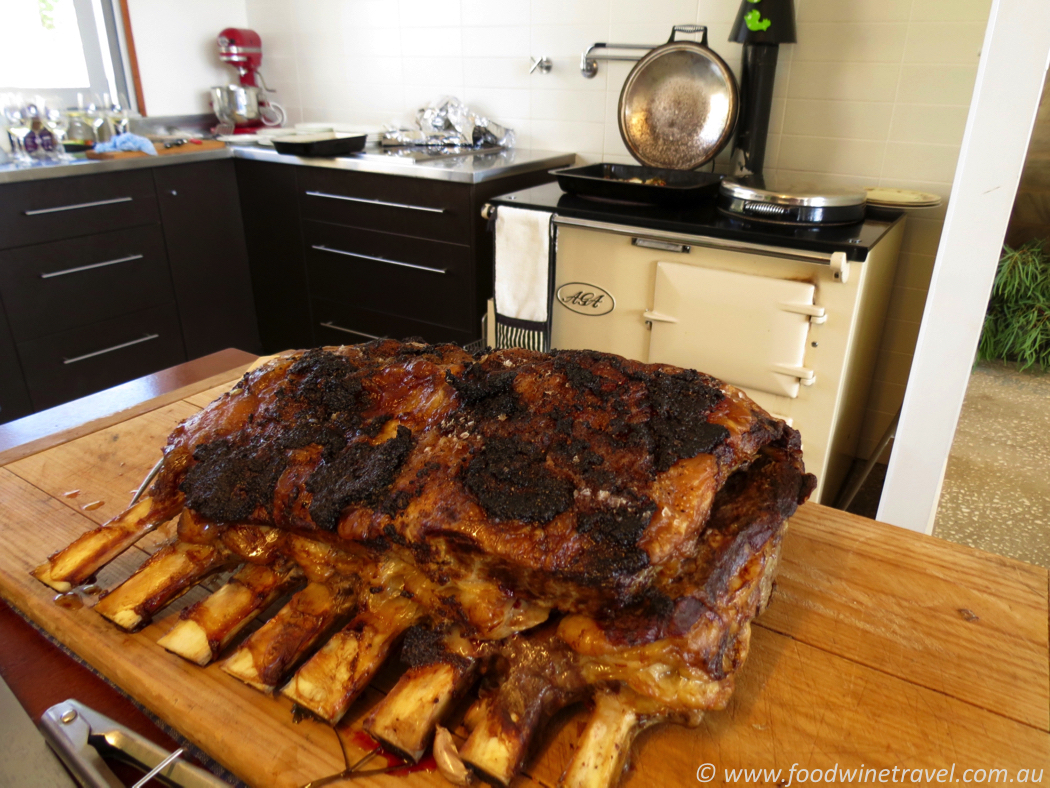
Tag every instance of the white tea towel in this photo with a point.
(523, 278)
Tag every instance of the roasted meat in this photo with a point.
(577, 524)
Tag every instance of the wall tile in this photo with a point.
(565, 74)
(509, 41)
(853, 11)
(568, 41)
(568, 105)
(432, 42)
(893, 367)
(666, 12)
(950, 10)
(921, 236)
(944, 42)
(847, 119)
(919, 161)
(843, 81)
(830, 155)
(410, 12)
(914, 271)
(368, 14)
(928, 123)
(367, 42)
(776, 115)
(900, 337)
(565, 135)
(433, 71)
(843, 42)
(886, 397)
(485, 13)
(936, 84)
(498, 104)
(386, 70)
(495, 72)
(710, 11)
(559, 12)
(907, 304)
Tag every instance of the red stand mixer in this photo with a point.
(244, 106)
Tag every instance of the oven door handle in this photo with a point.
(806, 376)
(659, 317)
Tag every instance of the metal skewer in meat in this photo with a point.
(643, 503)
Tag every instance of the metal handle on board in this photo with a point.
(79, 268)
(376, 202)
(78, 206)
(121, 346)
(427, 268)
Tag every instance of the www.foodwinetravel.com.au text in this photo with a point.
(838, 775)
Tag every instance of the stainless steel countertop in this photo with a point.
(462, 169)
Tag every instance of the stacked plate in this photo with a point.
(901, 198)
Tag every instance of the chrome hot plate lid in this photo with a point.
(804, 203)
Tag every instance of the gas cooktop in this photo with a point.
(705, 220)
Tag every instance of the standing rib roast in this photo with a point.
(556, 527)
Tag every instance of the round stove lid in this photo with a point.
(803, 195)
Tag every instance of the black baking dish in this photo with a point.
(613, 182)
(327, 144)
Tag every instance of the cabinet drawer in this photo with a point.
(407, 206)
(56, 208)
(343, 324)
(14, 399)
(415, 278)
(75, 363)
(50, 288)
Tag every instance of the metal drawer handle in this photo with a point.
(376, 202)
(322, 248)
(348, 331)
(663, 246)
(78, 269)
(77, 206)
(121, 346)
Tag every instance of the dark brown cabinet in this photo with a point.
(339, 256)
(275, 254)
(108, 277)
(14, 398)
(204, 235)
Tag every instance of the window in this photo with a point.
(59, 48)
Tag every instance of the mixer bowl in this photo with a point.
(236, 104)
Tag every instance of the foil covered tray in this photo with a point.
(633, 183)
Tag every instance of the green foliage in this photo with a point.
(1017, 326)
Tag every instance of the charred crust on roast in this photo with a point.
(229, 482)
(361, 473)
(424, 646)
(512, 481)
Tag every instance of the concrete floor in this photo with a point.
(996, 493)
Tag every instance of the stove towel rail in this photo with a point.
(837, 260)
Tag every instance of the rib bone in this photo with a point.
(603, 751)
(79, 561)
(164, 577)
(208, 626)
(333, 678)
(270, 652)
(406, 718)
(541, 679)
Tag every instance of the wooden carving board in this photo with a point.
(189, 147)
(882, 648)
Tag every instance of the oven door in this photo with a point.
(747, 330)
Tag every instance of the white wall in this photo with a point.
(175, 45)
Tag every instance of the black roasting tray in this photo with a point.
(325, 144)
(612, 182)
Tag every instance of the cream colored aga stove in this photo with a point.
(798, 330)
